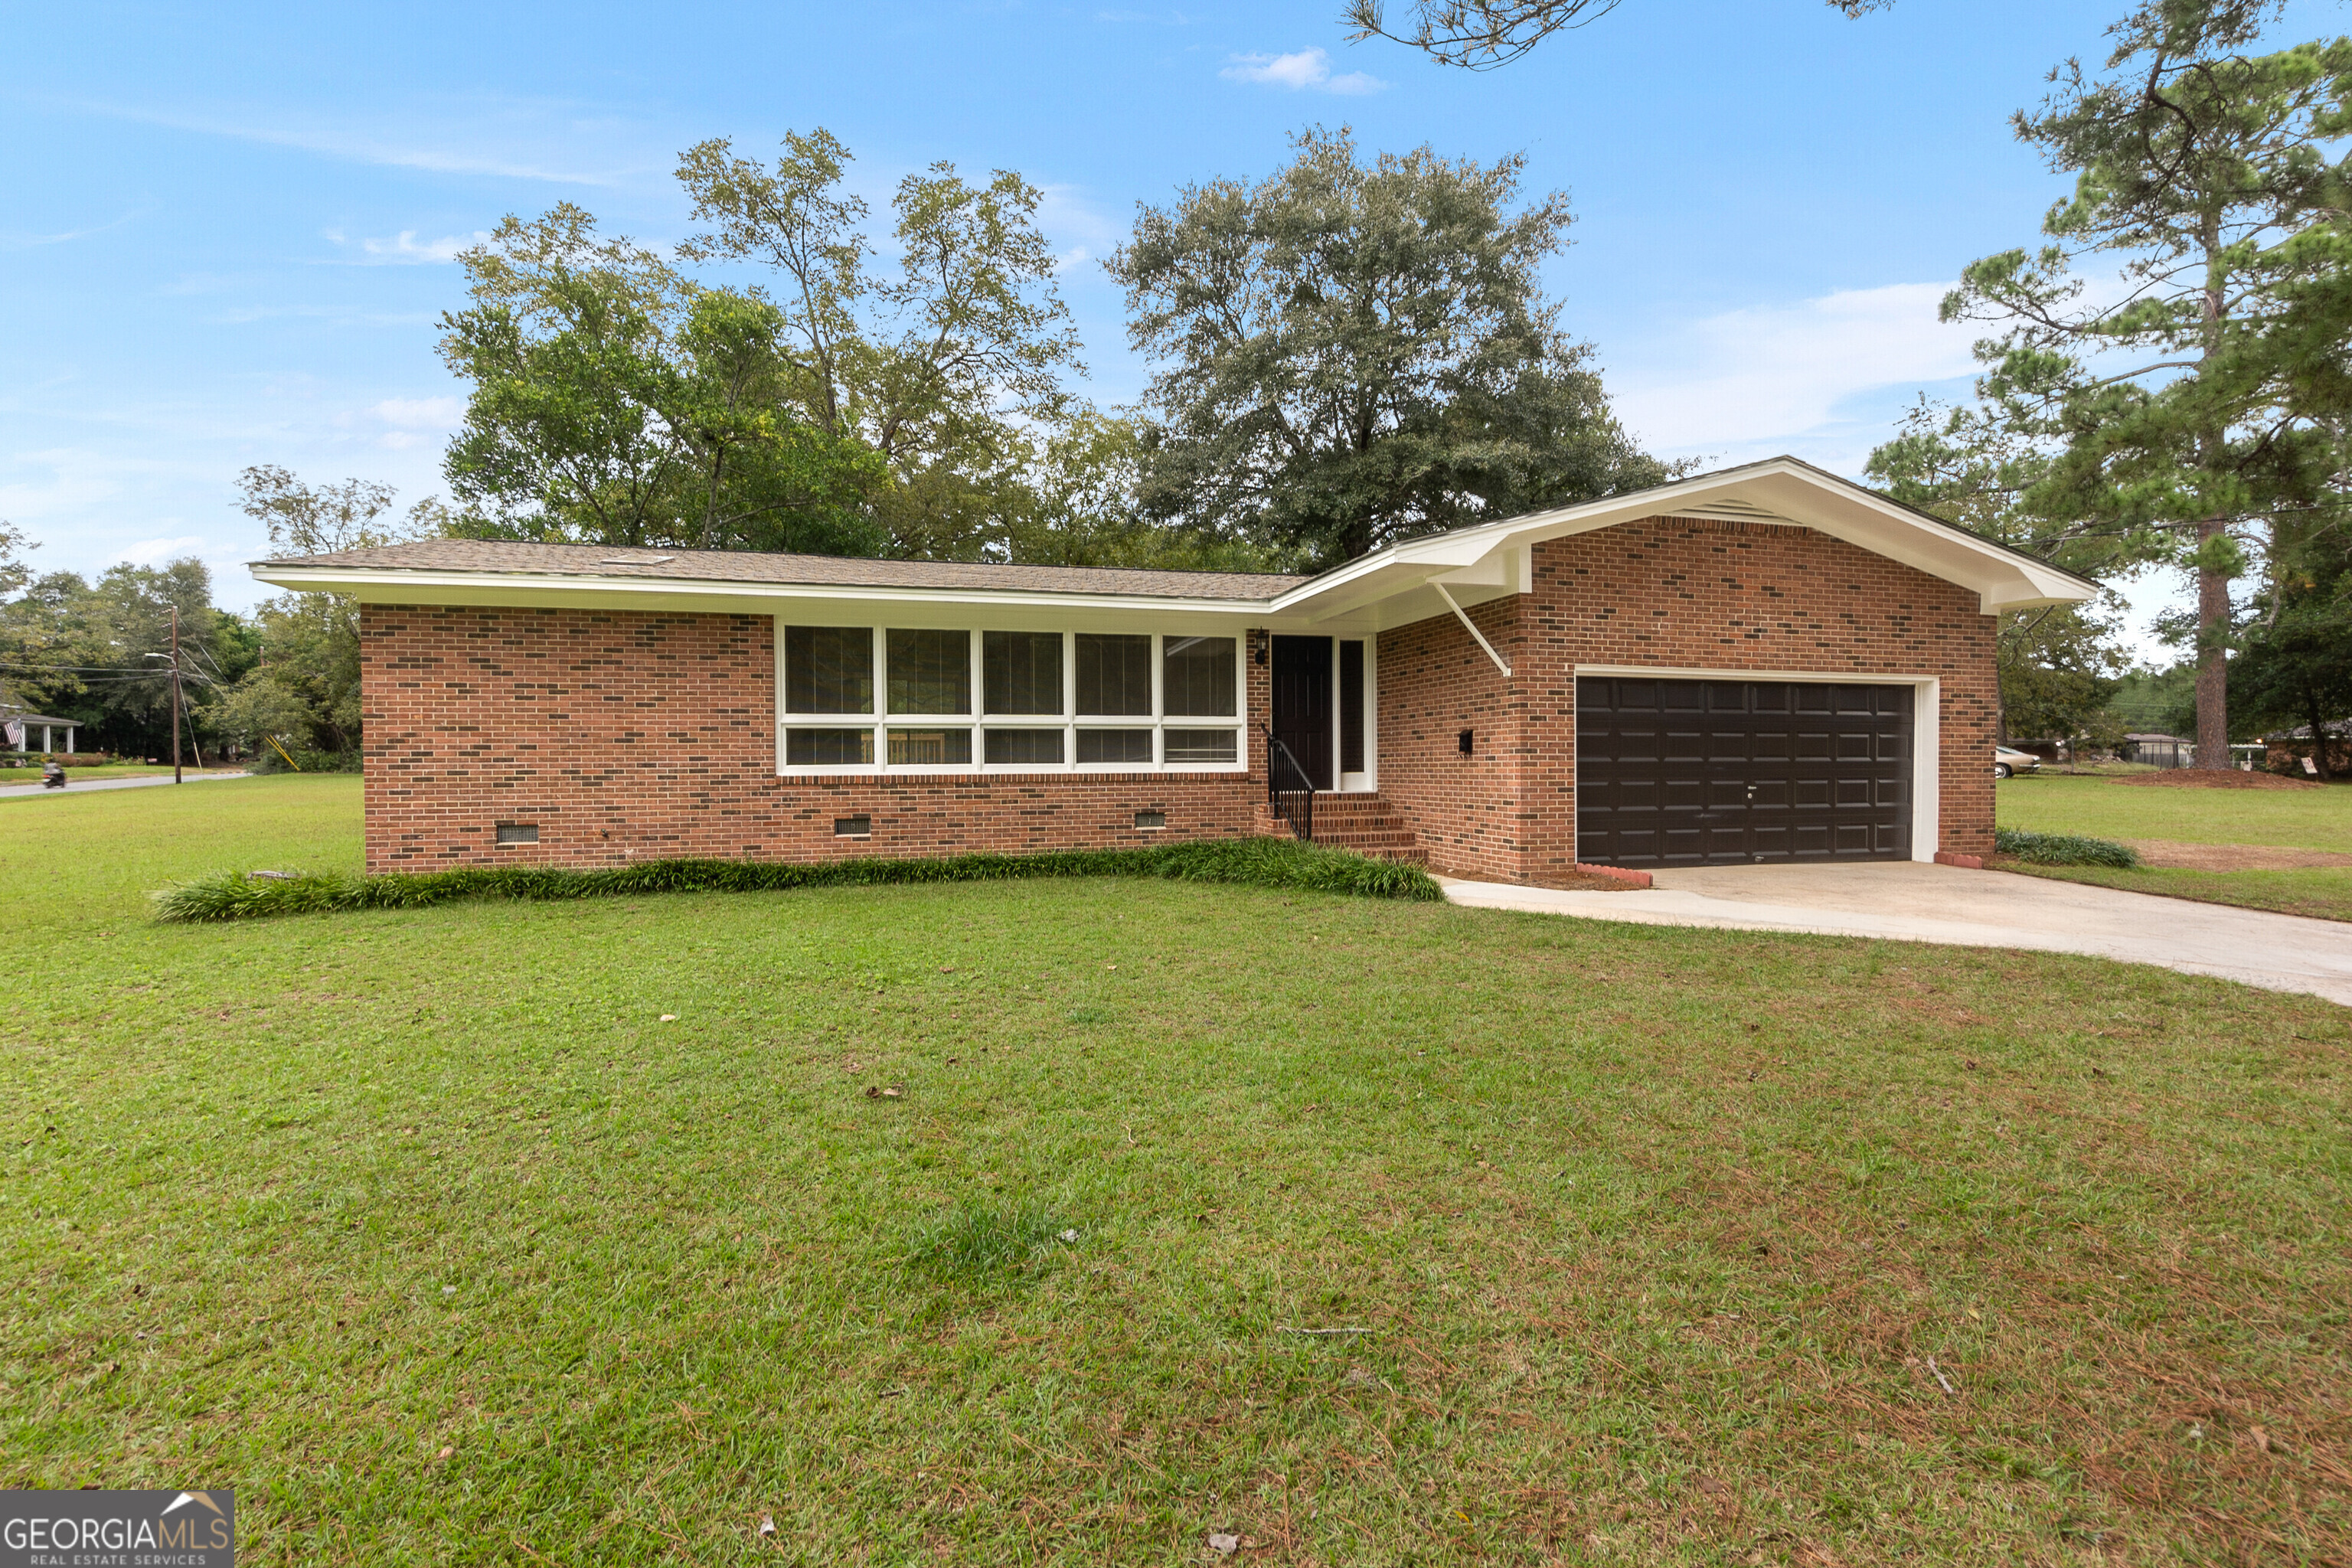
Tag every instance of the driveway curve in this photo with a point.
(1906, 901)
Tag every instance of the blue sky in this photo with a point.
(227, 230)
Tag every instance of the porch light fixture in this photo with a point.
(1461, 743)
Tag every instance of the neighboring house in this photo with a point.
(2291, 751)
(1764, 664)
(24, 730)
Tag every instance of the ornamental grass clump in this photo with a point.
(1256, 862)
(2063, 849)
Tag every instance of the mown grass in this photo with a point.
(2318, 893)
(425, 1231)
(2299, 819)
(2108, 808)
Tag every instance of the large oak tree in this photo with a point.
(1352, 353)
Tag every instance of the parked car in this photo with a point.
(2008, 762)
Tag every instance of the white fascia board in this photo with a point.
(2002, 579)
(525, 591)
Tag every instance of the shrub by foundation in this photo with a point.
(1256, 862)
(2063, 849)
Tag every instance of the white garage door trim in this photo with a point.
(1927, 726)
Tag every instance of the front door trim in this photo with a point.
(1927, 725)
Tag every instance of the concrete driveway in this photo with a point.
(1906, 901)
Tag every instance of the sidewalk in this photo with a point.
(16, 792)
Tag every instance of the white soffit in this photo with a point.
(1781, 491)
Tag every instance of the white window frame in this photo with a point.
(978, 723)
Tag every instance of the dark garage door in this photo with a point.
(1732, 773)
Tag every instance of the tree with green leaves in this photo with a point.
(618, 403)
(2167, 437)
(942, 367)
(14, 571)
(1353, 353)
(2295, 667)
(1480, 34)
(98, 652)
(302, 691)
(2059, 666)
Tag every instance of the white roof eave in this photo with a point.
(1789, 491)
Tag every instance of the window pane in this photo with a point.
(829, 748)
(1200, 746)
(1114, 674)
(929, 748)
(1024, 745)
(1199, 677)
(1115, 746)
(828, 670)
(1022, 672)
(929, 673)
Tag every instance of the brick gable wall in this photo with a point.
(630, 735)
(1676, 593)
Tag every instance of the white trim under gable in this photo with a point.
(1484, 559)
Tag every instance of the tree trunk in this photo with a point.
(2212, 661)
(2213, 587)
(2319, 732)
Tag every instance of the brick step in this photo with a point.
(1364, 824)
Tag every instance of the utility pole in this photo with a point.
(175, 695)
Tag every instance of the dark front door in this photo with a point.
(1730, 773)
(1302, 703)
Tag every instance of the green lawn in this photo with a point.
(2299, 818)
(2105, 808)
(427, 1233)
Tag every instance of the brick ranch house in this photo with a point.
(1764, 663)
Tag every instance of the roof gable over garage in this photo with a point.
(1423, 577)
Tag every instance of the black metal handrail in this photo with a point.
(1289, 790)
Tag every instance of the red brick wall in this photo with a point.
(1669, 592)
(627, 735)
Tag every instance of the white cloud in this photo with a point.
(12, 240)
(70, 481)
(421, 413)
(405, 249)
(1780, 374)
(516, 139)
(416, 421)
(1308, 70)
(148, 551)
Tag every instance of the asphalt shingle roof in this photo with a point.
(813, 571)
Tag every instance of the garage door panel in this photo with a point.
(1726, 773)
